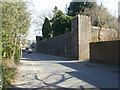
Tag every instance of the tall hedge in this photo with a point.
(15, 22)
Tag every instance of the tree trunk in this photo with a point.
(99, 30)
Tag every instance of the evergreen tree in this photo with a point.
(61, 25)
(79, 7)
(46, 29)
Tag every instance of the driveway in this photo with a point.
(46, 71)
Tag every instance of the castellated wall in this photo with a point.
(76, 43)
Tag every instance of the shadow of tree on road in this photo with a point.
(84, 71)
(92, 75)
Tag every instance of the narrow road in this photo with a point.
(46, 71)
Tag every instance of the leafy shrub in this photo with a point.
(7, 50)
(8, 74)
(17, 54)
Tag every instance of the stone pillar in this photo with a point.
(81, 27)
(74, 38)
(84, 36)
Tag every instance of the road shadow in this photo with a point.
(43, 57)
(98, 75)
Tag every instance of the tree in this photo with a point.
(61, 25)
(79, 7)
(39, 20)
(57, 12)
(101, 18)
(46, 29)
(15, 21)
(99, 15)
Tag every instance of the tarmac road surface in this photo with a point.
(46, 71)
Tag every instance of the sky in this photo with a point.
(43, 8)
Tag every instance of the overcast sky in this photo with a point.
(42, 7)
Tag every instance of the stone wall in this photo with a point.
(105, 52)
(105, 34)
(74, 38)
(76, 43)
(60, 46)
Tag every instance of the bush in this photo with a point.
(17, 55)
(7, 50)
(8, 73)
